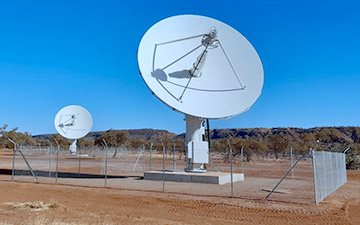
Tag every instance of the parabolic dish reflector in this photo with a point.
(73, 122)
(200, 66)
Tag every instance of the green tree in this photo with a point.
(138, 143)
(329, 135)
(353, 158)
(277, 143)
(61, 140)
(308, 137)
(113, 138)
(250, 146)
(85, 142)
(17, 137)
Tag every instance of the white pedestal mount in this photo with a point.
(197, 149)
(72, 147)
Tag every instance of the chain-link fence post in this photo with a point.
(291, 162)
(231, 170)
(79, 166)
(242, 159)
(50, 157)
(174, 158)
(163, 170)
(13, 162)
(151, 145)
(105, 159)
(57, 161)
(314, 174)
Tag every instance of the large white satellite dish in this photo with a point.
(73, 122)
(203, 68)
(229, 74)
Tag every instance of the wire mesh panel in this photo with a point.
(329, 173)
(124, 168)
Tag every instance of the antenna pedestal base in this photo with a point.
(197, 149)
(72, 147)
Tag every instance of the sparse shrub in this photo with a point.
(352, 159)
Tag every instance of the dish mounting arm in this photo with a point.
(173, 41)
(231, 65)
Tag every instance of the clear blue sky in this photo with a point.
(56, 53)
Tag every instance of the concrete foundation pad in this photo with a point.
(180, 176)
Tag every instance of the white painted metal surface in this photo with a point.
(200, 66)
(197, 148)
(73, 122)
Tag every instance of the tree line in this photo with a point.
(261, 142)
(261, 139)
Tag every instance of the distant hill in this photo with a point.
(144, 134)
(325, 134)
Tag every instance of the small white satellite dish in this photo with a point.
(73, 122)
(203, 68)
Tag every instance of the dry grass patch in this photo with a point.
(33, 206)
(41, 220)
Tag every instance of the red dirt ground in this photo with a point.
(133, 201)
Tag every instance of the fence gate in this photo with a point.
(329, 173)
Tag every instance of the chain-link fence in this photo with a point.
(329, 173)
(123, 168)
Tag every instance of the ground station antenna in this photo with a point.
(203, 68)
(73, 122)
